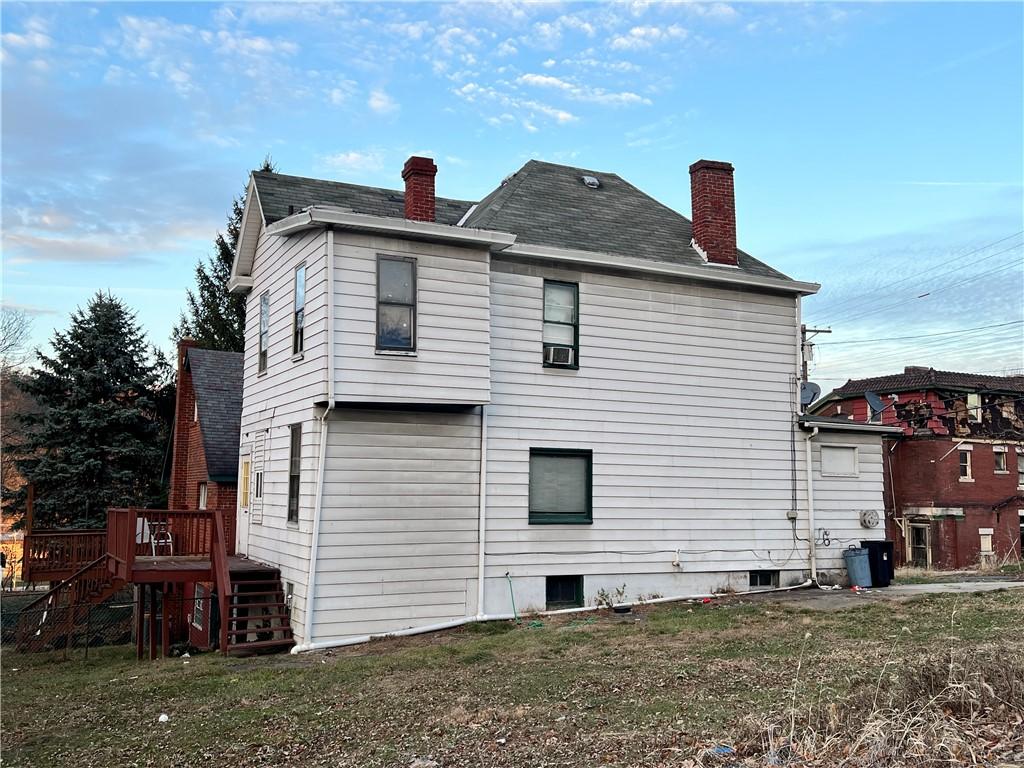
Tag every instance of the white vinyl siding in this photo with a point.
(451, 362)
(398, 542)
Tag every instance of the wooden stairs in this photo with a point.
(257, 613)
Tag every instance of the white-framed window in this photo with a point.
(199, 607)
(974, 406)
(299, 312)
(202, 495)
(999, 459)
(966, 470)
(243, 483)
(839, 461)
(1020, 467)
(264, 340)
(195, 410)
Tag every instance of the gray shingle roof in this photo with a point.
(548, 204)
(278, 191)
(542, 204)
(217, 380)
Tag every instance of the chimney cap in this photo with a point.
(713, 165)
(417, 164)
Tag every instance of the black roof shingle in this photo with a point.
(914, 378)
(217, 381)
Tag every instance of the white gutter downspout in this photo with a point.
(811, 536)
(307, 630)
(482, 524)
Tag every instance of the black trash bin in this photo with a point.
(880, 558)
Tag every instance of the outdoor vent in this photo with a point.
(592, 181)
(559, 355)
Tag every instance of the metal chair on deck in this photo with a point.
(156, 534)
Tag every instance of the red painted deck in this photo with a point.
(148, 569)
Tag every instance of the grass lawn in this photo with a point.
(658, 688)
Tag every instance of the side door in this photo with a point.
(244, 504)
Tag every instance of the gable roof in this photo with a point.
(217, 381)
(914, 378)
(549, 205)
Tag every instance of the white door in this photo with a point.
(244, 501)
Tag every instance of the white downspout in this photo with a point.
(307, 631)
(811, 536)
(482, 525)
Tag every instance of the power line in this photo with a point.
(919, 336)
(856, 299)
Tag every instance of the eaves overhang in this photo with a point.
(829, 424)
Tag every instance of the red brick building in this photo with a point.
(204, 468)
(954, 480)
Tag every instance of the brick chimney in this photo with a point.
(418, 174)
(714, 211)
(184, 410)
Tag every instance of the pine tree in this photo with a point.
(214, 317)
(97, 439)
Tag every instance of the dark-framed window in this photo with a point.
(561, 486)
(396, 303)
(299, 311)
(561, 324)
(257, 484)
(563, 592)
(264, 331)
(294, 472)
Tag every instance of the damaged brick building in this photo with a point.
(954, 480)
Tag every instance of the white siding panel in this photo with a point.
(398, 540)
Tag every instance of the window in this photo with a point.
(243, 490)
(999, 458)
(838, 461)
(560, 486)
(396, 303)
(561, 324)
(965, 465)
(974, 407)
(1020, 468)
(198, 607)
(299, 313)
(195, 410)
(202, 495)
(264, 331)
(764, 579)
(564, 592)
(294, 471)
(257, 482)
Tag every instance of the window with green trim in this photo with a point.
(561, 481)
(561, 324)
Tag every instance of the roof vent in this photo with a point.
(592, 181)
(508, 178)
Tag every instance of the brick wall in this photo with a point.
(713, 208)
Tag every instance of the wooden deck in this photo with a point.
(148, 569)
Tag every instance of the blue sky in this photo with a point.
(878, 147)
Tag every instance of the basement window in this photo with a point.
(764, 579)
(563, 592)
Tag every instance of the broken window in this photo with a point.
(965, 465)
(1020, 469)
(974, 407)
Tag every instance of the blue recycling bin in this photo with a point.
(858, 566)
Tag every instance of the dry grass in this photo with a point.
(760, 683)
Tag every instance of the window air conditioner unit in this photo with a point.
(559, 355)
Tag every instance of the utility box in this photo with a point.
(880, 558)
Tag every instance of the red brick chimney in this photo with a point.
(714, 211)
(418, 174)
(184, 411)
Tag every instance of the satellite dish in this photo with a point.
(809, 392)
(874, 402)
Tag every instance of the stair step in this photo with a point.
(261, 644)
(259, 630)
(258, 617)
(247, 593)
(254, 583)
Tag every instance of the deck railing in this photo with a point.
(55, 554)
(134, 532)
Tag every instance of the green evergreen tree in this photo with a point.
(212, 316)
(97, 438)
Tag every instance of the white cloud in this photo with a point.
(549, 63)
(413, 30)
(381, 103)
(455, 39)
(507, 48)
(354, 161)
(583, 93)
(639, 38)
(242, 45)
(475, 93)
(33, 37)
(342, 92)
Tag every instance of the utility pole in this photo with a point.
(806, 347)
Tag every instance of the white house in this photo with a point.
(561, 391)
